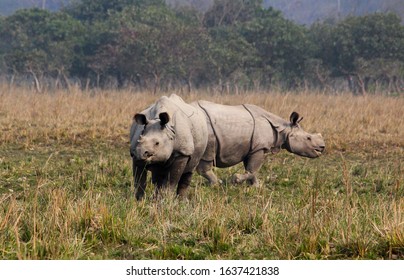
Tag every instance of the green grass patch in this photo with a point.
(60, 201)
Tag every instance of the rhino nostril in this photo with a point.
(147, 154)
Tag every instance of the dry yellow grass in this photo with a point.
(66, 189)
(347, 122)
(27, 117)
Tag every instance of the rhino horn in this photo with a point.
(141, 139)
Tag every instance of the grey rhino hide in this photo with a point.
(186, 128)
(188, 123)
(237, 131)
(245, 133)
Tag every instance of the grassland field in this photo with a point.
(66, 186)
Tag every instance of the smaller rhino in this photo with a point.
(246, 133)
(168, 139)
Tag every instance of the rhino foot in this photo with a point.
(237, 179)
(254, 182)
(249, 177)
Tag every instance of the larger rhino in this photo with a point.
(168, 139)
(245, 133)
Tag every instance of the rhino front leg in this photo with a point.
(205, 169)
(183, 184)
(252, 165)
(139, 176)
(176, 170)
(159, 180)
(168, 179)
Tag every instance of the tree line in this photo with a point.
(234, 45)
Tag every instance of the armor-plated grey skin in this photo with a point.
(168, 139)
(245, 133)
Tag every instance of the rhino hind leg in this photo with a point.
(205, 169)
(252, 165)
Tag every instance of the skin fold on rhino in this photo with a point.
(168, 139)
(246, 133)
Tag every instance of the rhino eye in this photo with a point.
(309, 138)
(157, 143)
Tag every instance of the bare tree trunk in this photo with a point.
(66, 80)
(351, 83)
(189, 86)
(87, 84)
(362, 85)
(98, 80)
(156, 82)
(57, 82)
(189, 83)
(395, 84)
(36, 81)
(377, 85)
(389, 85)
(320, 77)
(12, 80)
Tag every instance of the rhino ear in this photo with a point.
(295, 118)
(141, 119)
(164, 118)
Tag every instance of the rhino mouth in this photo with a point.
(319, 151)
(148, 160)
(144, 160)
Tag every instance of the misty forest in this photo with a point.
(226, 45)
